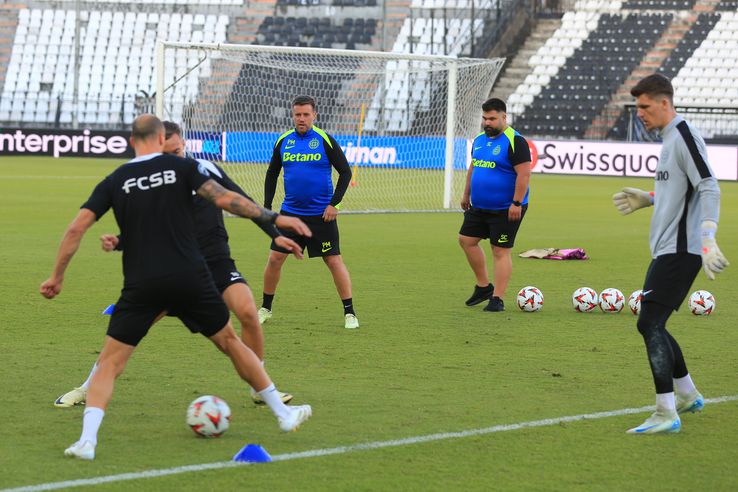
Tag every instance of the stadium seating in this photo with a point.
(116, 62)
(164, 2)
(317, 32)
(424, 34)
(335, 3)
(254, 89)
(709, 77)
(728, 5)
(673, 64)
(659, 4)
(548, 60)
(586, 80)
(687, 46)
(572, 76)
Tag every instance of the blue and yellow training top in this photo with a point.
(307, 161)
(493, 177)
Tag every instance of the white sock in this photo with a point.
(271, 397)
(86, 385)
(665, 402)
(685, 386)
(91, 424)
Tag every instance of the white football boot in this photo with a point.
(77, 396)
(264, 315)
(298, 415)
(351, 322)
(657, 423)
(82, 450)
(694, 402)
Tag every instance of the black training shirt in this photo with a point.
(211, 232)
(151, 197)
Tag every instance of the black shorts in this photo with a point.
(669, 278)
(225, 274)
(492, 224)
(192, 295)
(324, 242)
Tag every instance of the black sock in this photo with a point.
(486, 288)
(348, 306)
(267, 301)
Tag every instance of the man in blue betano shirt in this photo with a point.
(308, 156)
(495, 201)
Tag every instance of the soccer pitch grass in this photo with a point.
(421, 363)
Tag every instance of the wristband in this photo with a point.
(517, 203)
(266, 217)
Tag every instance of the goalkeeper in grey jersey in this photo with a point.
(686, 200)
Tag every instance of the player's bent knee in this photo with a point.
(646, 326)
(276, 260)
(248, 318)
(468, 242)
(223, 337)
(333, 260)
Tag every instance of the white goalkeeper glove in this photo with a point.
(713, 260)
(631, 199)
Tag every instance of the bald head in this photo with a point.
(146, 127)
(147, 135)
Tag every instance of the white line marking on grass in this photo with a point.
(347, 449)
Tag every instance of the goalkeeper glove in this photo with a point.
(713, 260)
(631, 199)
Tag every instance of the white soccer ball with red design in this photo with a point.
(530, 299)
(584, 299)
(701, 303)
(634, 301)
(209, 416)
(611, 300)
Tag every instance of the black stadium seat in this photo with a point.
(584, 85)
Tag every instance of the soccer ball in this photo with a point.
(611, 300)
(208, 416)
(584, 299)
(701, 303)
(634, 301)
(530, 299)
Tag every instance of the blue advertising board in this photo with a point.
(205, 145)
(382, 152)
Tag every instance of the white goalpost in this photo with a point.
(404, 121)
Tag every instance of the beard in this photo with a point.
(491, 132)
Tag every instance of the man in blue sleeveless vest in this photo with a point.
(308, 156)
(495, 201)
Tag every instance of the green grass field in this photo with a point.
(373, 189)
(420, 364)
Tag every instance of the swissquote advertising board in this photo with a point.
(549, 156)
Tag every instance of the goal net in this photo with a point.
(403, 121)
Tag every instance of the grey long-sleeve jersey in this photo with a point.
(686, 191)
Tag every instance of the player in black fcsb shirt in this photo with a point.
(212, 238)
(163, 269)
(151, 197)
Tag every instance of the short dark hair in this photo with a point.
(494, 104)
(303, 100)
(146, 126)
(654, 85)
(171, 128)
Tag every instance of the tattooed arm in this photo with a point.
(239, 205)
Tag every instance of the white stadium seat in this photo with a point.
(111, 63)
